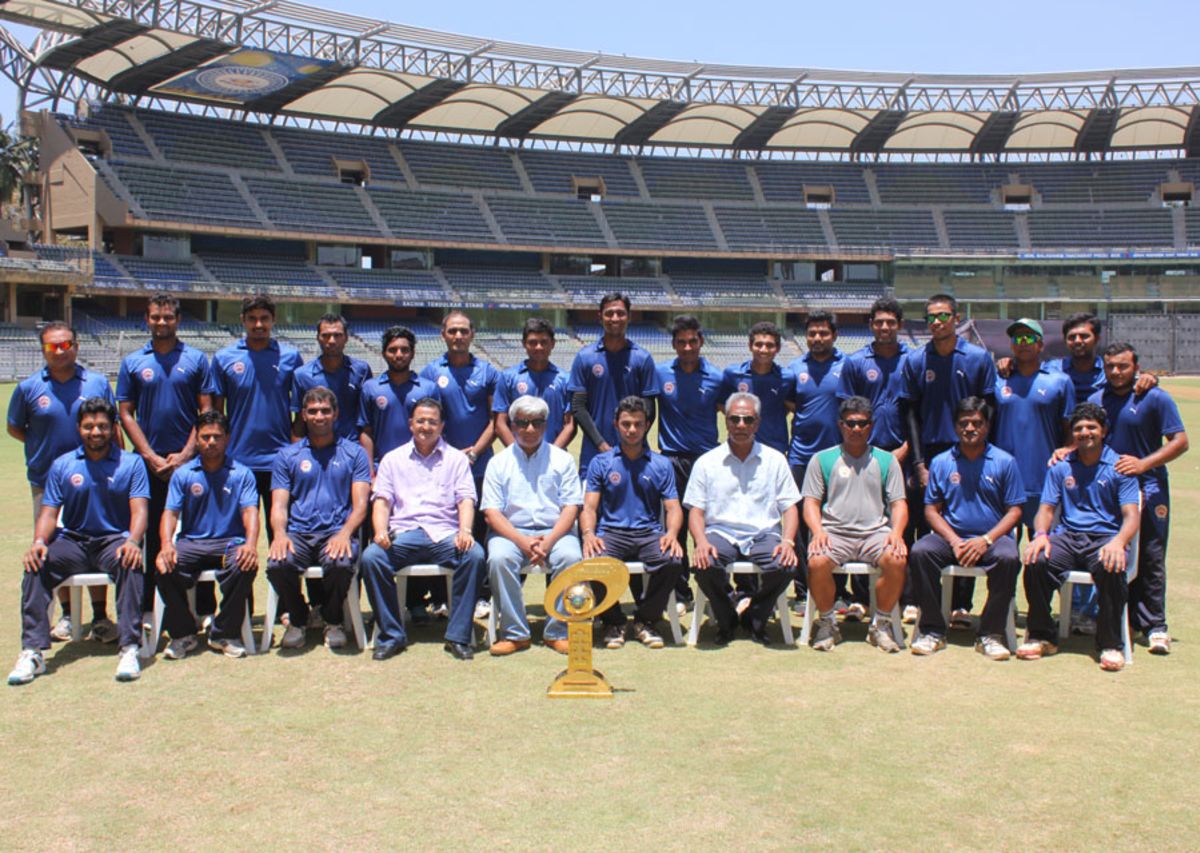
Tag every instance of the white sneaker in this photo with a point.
(229, 648)
(855, 613)
(181, 647)
(30, 664)
(129, 668)
(1160, 643)
(879, 634)
(442, 611)
(992, 647)
(911, 614)
(293, 638)
(928, 644)
(483, 609)
(61, 630)
(335, 637)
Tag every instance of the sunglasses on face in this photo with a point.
(939, 317)
(61, 346)
(525, 423)
(742, 419)
(1025, 339)
(857, 423)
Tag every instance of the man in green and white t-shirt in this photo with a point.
(855, 508)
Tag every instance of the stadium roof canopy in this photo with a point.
(282, 60)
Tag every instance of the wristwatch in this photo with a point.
(471, 456)
(989, 540)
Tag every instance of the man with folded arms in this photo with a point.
(973, 504)
(531, 498)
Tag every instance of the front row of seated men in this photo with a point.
(743, 505)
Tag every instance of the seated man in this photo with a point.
(628, 488)
(319, 487)
(531, 498)
(1099, 517)
(103, 493)
(973, 504)
(742, 506)
(855, 508)
(214, 501)
(423, 509)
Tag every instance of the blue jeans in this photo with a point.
(379, 569)
(504, 562)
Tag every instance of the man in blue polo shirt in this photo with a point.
(972, 504)
(321, 485)
(1098, 518)
(214, 502)
(388, 400)
(537, 376)
(628, 490)
(606, 372)
(763, 377)
(42, 415)
(1137, 425)
(253, 382)
(160, 390)
(102, 493)
(343, 375)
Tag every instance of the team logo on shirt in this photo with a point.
(956, 478)
(381, 401)
(1069, 483)
(872, 375)
(306, 466)
(1006, 391)
(930, 376)
(443, 381)
(522, 387)
(43, 402)
(743, 387)
(668, 387)
(597, 370)
(197, 489)
(614, 477)
(844, 471)
(803, 377)
(1161, 511)
(239, 368)
(77, 480)
(147, 374)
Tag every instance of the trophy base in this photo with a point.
(573, 684)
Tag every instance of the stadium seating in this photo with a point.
(463, 166)
(699, 289)
(313, 153)
(785, 181)
(1108, 228)
(980, 229)
(432, 216)
(937, 183)
(154, 275)
(278, 276)
(646, 226)
(320, 208)
(185, 195)
(766, 229)
(409, 287)
(216, 142)
(877, 228)
(546, 221)
(588, 289)
(1093, 183)
(552, 171)
(670, 177)
(500, 285)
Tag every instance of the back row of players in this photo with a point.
(260, 383)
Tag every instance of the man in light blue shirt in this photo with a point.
(531, 497)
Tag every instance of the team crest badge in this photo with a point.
(1005, 391)
(43, 402)
(443, 381)
(522, 387)
(803, 377)
(614, 477)
(147, 374)
(930, 376)
(872, 375)
(77, 480)
(743, 387)
(597, 369)
(197, 489)
(1161, 511)
(956, 478)
(1069, 483)
(381, 401)
(668, 387)
(239, 368)
(306, 466)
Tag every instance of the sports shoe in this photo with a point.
(335, 637)
(103, 631)
(1112, 660)
(30, 664)
(315, 619)
(911, 614)
(825, 634)
(742, 605)
(647, 636)
(879, 635)
(181, 647)
(129, 668)
(229, 648)
(1160, 643)
(442, 611)
(500, 648)
(614, 637)
(61, 630)
(992, 647)
(855, 613)
(293, 637)
(1036, 649)
(483, 609)
(928, 644)
(960, 618)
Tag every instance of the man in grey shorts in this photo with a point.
(855, 508)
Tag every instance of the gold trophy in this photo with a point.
(579, 680)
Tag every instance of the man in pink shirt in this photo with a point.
(423, 507)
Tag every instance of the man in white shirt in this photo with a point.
(531, 498)
(742, 506)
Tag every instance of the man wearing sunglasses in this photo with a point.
(42, 416)
(531, 498)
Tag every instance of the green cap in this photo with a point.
(1032, 325)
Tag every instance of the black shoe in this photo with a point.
(461, 651)
(759, 635)
(724, 636)
(388, 651)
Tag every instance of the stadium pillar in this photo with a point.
(10, 304)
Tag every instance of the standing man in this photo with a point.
(424, 509)
(539, 377)
(388, 400)
(1137, 427)
(43, 415)
(160, 391)
(973, 505)
(531, 498)
(628, 490)
(764, 378)
(343, 375)
(102, 493)
(321, 485)
(214, 500)
(856, 510)
(742, 506)
(606, 372)
(252, 382)
(1098, 519)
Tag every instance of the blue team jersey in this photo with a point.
(1137, 425)
(258, 387)
(346, 383)
(773, 389)
(1030, 411)
(319, 483)
(1086, 383)
(164, 391)
(607, 378)
(467, 393)
(549, 384)
(1090, 496)
(687, 408)
(210, 503)
(880, 380)
(975, 493)
(386, 407)
(815, 425)
(47, 411)
(94, 494)
(935, 383)
(631, 491)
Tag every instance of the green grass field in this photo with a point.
(741, 748)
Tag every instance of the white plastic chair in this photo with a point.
(1064, 599)
(75, 585)
(872, 572)
(417, 570)
(956, 571)
(156, 624)
(352, 620)
(701, 609)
